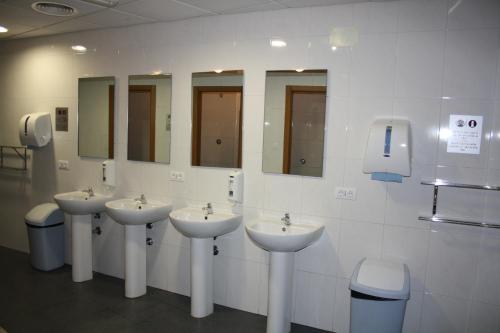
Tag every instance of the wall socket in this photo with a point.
(345, 193)
(63, 165)
(177, 176)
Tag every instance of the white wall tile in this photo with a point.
(488, 269)
(314, 300)
(453, 255)
(375, 17)
(357, 241)
(470, 63)
(413, 312)
(374, 65)
(422, 15)
(420, 64)
(473, 14)
(408, 246)
(484, 318)
(341, 318)
(442, 314)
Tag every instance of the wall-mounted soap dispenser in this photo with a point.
(387, 155)
(35, 130)
(235, 188)
(108, 173)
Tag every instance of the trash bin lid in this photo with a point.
(44, 215)
(381, 278)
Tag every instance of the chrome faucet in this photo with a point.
(286, 219)
(208, 209)
(142, 199)
(89, 191)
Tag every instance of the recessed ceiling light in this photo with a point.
(3, 29)
(53, 8)
(278, 43)
(299, 70)
(79, 48)
(218, 71)
(334, 48)
(104, 3)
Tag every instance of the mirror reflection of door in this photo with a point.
(304, 130)
(141, 136)
(294, 122)
(218, 140)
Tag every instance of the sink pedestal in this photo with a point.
(135, 260)
(280, 292)
(202, 262)
(81, 233)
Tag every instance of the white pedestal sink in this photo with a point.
(81, 205)
(202, 228)
(134, 215)
(282, 242)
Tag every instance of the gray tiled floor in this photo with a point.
(33, 301)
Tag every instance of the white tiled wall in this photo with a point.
(409, 55)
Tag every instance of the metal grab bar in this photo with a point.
(20, 152)
(446, 183)
(438, 219)
(442, 219)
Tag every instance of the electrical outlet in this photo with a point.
(345, 193)
(63, 165)
(177, 176)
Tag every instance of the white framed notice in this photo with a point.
(465, 134)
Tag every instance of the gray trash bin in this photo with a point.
(45, 225)
(379, 292)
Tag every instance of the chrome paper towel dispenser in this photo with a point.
(388, 148)
(35, 129)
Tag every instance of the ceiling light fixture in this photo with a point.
(3, 29)
(79, 48)
(104, 3)
(334, 48)
(278, 43)
(299, 70)
(53, 8)
(218, 71)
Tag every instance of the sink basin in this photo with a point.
(193, 223)
(282, 242)
(273, 236)
(80, 203)
(134, 215)
(132, 212)
(202, 228)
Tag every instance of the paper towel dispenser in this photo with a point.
(35, 129)
(388, 148)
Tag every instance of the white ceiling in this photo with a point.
(22, 21)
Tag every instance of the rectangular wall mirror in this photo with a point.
(294, 122)
(96, 105)
(149, 118)
(217, 116)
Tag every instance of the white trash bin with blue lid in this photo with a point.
(379, 292)
(45, 225)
